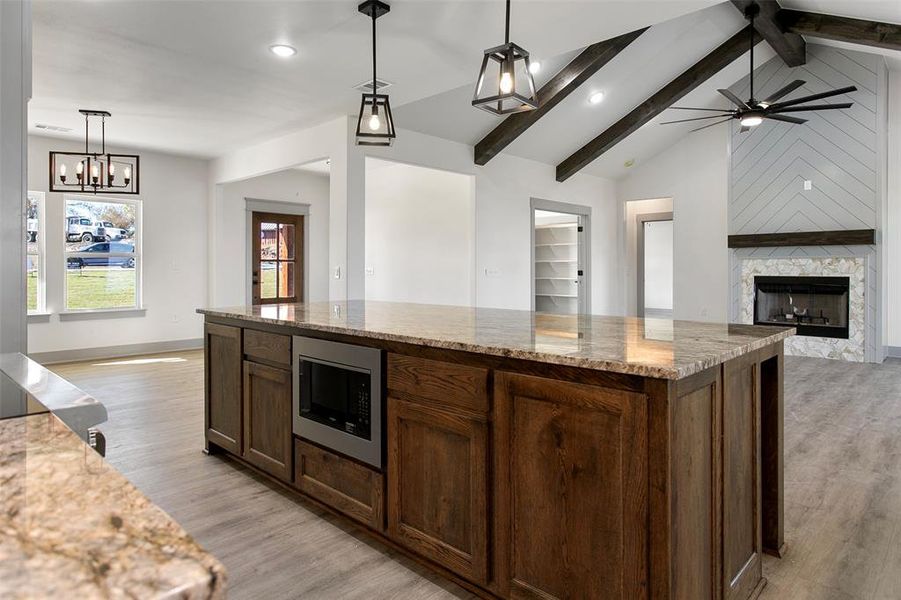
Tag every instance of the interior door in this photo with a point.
(277, 266)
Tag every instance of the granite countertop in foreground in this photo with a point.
(71, 526)
(659, 348)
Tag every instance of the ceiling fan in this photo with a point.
(753, 112)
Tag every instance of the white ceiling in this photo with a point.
(196, 77)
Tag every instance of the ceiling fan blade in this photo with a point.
(695, 119)
(812, 97)
(722, 110)
(794, 120)
(784, 91)
(744, 129)
(711, 125)
(811, 107)
(734, 99)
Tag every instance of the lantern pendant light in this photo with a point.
(499, 94)
(375, 125)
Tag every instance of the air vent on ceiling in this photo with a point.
(366, 86)
(55, 128)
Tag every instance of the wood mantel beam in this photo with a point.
(672, 92)
(842, 29)
(788, 45)
(561, 85)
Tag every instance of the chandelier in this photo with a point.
(94, 172)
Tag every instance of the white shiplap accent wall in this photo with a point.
(838, 151)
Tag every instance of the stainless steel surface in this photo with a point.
(354, 358)
(75, 408)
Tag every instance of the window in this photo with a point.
(103, 254)
(277, 272)
(34, 252)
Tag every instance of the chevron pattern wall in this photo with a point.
(835, 150)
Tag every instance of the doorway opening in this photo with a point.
(655, 265)
(277, 253)
(560, 258)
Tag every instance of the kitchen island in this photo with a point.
(529, 455)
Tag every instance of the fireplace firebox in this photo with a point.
(815, 306)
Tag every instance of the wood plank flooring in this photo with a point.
(843, 489)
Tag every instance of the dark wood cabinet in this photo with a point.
(742, 535)
(268, 436)
(222, 384)
(347, 486)
(571, 498)
(438, 464)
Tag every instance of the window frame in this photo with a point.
(137, 254)
(38, 198)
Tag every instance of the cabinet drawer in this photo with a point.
(446, 383)
(342, 484)
(269, 347)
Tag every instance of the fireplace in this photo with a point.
(815, 306)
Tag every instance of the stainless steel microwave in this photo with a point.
(338, 397)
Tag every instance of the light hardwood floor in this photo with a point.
(843, 489)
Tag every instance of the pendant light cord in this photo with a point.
(375, 88)
(507, 24)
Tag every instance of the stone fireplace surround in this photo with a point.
(857, 266)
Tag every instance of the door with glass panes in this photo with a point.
(277, 270)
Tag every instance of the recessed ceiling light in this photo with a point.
(282, 50)
(534, 67)
(596, 98)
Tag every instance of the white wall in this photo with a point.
(891, 234)
(629, 245)
(695, 174)
(173, 198)
(503, 191)
(230, 238)
(420, 234)
(658, 265)
(15, 91)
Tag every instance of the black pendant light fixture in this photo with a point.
(95, 172)
(753, 112)
(499, 93)
(375, 125)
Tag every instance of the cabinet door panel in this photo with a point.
(437, 478)
(571, 497)
(741, 477)
(267, 419)
(223, 386)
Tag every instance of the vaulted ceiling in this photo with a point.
(196, 77)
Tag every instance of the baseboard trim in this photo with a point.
(103, 352)
(893, 351)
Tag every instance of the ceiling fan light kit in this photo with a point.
(505, 84)
(95, 172)
(375, 124)
(752, 113)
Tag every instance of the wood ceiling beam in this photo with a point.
(561, 85)
(788, 45)
(842, 29)
(672, 92)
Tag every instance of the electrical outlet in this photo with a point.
(808, 185)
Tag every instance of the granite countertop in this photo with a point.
(71, 526)
(659, 348)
